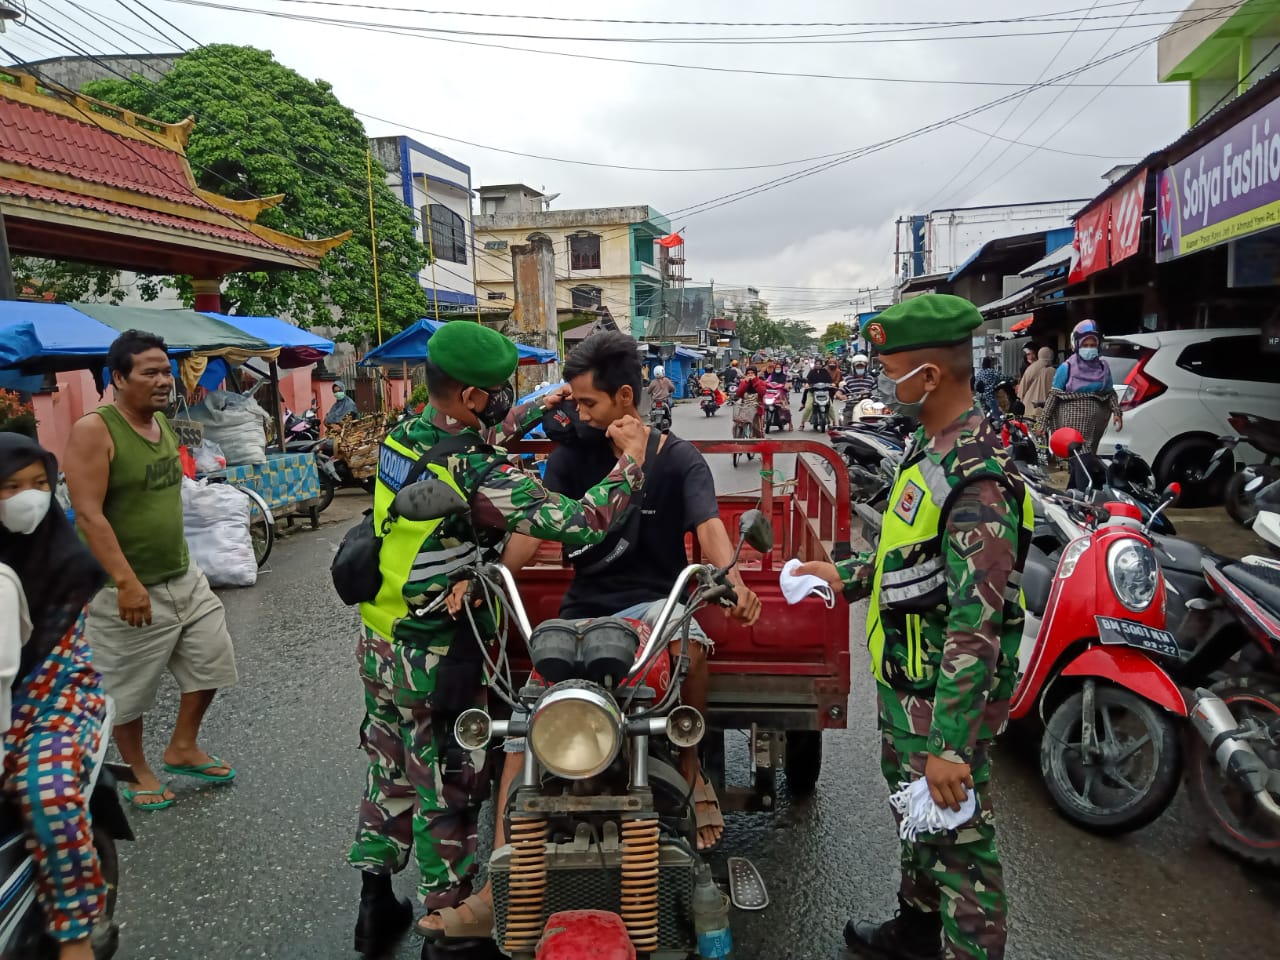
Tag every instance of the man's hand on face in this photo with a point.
(557, 396)
(630, 436)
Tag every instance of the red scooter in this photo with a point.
(1092, 663)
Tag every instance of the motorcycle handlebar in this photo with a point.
(658, 634)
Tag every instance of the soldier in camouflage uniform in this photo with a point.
(420, 670)
(943, 630)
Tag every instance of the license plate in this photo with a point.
(1130, 634)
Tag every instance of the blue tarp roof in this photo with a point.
(689, 354)
(409, 346)
(53, 337)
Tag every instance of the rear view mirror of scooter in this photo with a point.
(756, 530)
(430, 499)
(1067, 443)
(1172, 493)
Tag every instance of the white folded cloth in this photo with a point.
(795, 588)
(920, 814)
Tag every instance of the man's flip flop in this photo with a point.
(197, 771)
(455, 928)
(708, 815)
(131, 795)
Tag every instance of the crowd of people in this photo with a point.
(109, 612)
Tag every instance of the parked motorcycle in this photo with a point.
(1096, 659)
(301, 431)
(821, 417)
(1242, 488)
(709, 403)
(600, 824)
(335, 474)
(1126, 478)
(22, 924)
(1233, 767)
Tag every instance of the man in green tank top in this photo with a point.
(158, 612)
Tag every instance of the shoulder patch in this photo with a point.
(908, 504)
(393, 467)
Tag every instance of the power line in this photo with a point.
(406, 31)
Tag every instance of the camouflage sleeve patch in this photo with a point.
(980, 545)
(520, 420)
(857, 573)
(512, 500)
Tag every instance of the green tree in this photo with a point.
(263, 129)
(756, 331)
(836, 331)
(798, 336)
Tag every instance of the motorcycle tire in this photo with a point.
(803, 761)
(1239, 502)
(1228, 813)
(1081, 791)
(327, 490)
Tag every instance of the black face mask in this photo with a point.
(563, 425)
(501, 399)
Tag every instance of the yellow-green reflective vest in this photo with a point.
(406, 555)
(906, 623)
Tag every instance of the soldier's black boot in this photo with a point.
(911, 935)
(383, 916)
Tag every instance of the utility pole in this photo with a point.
(8, 291)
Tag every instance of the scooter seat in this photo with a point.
(1037, 580)
(1262, 583)
(1180, 555)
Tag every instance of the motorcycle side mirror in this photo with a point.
(430, 499)
(1065, 441)
(1172, 493)
(756, 530)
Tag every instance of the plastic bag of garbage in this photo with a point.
(236, 424)
(208, 456)
(216, 524)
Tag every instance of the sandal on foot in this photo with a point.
(480, 927)
(709, 815)
(132, 795)
(199, 771)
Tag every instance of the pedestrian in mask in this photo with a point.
(1084, 395)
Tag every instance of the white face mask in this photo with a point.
(24, 511)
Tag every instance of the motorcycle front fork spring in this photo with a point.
(528, 883)
(640, 882)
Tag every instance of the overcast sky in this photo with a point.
(832, 230)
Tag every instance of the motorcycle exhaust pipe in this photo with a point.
(1214, 722)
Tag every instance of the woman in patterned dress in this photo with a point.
(51, 701)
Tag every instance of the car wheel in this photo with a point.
(1185, 462)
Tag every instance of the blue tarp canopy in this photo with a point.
(409, 346)
(38, 338)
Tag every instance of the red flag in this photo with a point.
(671, 240)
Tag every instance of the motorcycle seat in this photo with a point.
(1179, 555)
(1037, 580)
(1260, 582)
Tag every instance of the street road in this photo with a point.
(257, 869)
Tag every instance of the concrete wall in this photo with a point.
(75, 72)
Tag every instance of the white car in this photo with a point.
(1178, 387)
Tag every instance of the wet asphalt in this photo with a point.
(257, 869)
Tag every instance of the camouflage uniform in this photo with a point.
(950, 624)
(422, 790)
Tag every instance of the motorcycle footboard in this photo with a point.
(588, 876)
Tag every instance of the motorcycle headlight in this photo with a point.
(1133, 572)
(576, 730)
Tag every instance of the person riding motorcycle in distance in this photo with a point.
(751, 392)
(943, 630)
(51, 701)
(660, 387)
(419, 667)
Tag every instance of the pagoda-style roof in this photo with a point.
(85, 180)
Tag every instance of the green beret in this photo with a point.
(929, 320)
(473, 354)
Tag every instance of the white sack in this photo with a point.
(216, 524)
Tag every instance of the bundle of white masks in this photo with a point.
(920, 814)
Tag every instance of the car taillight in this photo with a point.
(1140, 386)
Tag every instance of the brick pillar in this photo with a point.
(208, 295)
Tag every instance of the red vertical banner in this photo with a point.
(1090, 254)
(1126, 218)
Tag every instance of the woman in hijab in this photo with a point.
(54, 723)
(1037, 382)
(1083, 394)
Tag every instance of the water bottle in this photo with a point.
(711, 918)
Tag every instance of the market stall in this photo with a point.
(41, 338)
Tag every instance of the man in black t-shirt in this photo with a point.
(631, 573)
(828, 374)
